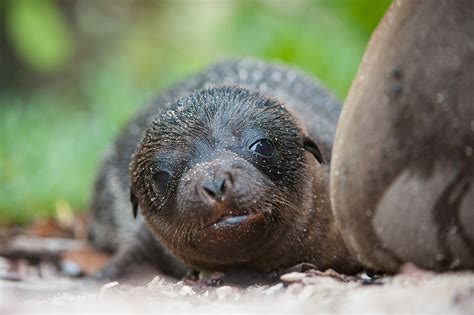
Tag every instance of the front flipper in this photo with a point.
(143, 249)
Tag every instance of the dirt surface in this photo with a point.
(42, 273)
(427, 293)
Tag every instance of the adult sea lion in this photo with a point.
(229, 171)
(402, 176)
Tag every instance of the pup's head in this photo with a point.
(219, 177)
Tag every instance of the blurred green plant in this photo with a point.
(39, 33)
(52, 137)
(48, 153)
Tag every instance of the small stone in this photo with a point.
(365, 277)
(274, 289)
(108, 287)
(224, 293)
(292, 277)
(156, 282)
(186, 290)
(71, 269)
(10, 276)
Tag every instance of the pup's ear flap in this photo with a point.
(134, 202)
(313, 149)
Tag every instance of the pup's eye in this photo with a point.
(263, 147)
(160, 181)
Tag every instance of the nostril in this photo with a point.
(215, 187)
(209, 188)
(220, 184)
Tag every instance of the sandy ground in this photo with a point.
(416, 292)
(40, 274)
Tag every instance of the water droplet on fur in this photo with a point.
(468, 151)
(454, 229)
(439, 257)
(440, 97)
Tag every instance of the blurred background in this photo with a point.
(73, 72)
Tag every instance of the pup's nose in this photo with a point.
(216, 187)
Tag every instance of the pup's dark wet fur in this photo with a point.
(231, 173)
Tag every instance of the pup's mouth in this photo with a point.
(232, 221)
(231, 233)
(227, 218)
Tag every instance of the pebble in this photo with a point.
(108, 287)
(186, 290)
(6, 272)
(274, 289)
(225, 293)
(70, 268)
(292, 277)
(156, 282)
(10, 276)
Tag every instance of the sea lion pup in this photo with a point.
(402, 177)
(231, 173)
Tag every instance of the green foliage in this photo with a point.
(39, 33)
(48, 154)
(52, 138)
(300, 38)
(363, 14)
